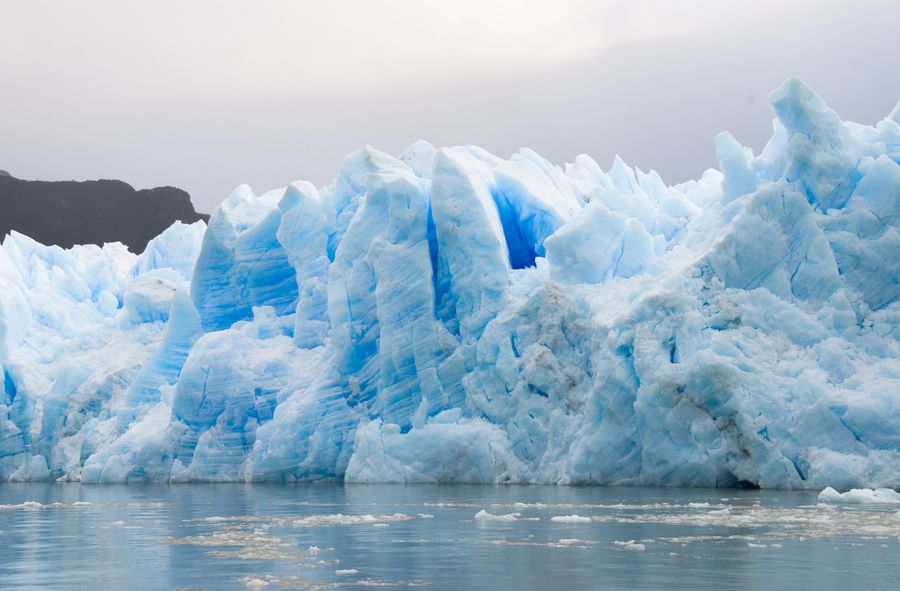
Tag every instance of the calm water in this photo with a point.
(69, 536)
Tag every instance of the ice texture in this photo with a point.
(861, 496)
(451, 316)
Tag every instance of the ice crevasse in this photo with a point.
(451, 316)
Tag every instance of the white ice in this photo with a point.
(861, 496)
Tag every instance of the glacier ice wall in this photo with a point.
(452, 316)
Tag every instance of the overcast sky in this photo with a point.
(208, 94)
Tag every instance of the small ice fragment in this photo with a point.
(31, 505)
(346, 571)
(630, 545)
(521, 505)
(752, 545)
(256, 584)
(863, 496)
(570, 519)
(485, 516)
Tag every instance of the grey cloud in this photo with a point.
(658, 103)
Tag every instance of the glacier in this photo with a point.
(451, 316)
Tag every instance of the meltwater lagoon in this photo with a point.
(441, 537)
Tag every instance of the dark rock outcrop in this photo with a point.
(91, 212)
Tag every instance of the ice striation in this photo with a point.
(451, 316)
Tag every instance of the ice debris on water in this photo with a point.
(451, 316)
(631, 545)
(485, 516)
(570, 519)
(861, 496)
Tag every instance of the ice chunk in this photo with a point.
(306, 223)
(241, 263)
(861, 496)
(632, 545)
(466, 451)
(819, 153)
(470, 238)
(485, 516)
(176, 248)
(420, 158)
(531, 208)
(149, 297)
(598, 245)
(736, 162)
(570, 519)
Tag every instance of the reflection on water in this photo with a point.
(69, 536)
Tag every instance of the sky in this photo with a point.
(209, 94)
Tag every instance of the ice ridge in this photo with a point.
(451, 316)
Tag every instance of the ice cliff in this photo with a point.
(448, 315)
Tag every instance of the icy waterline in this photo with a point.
(451, 316)
(323, 536)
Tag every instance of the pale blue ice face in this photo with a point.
(451, 316)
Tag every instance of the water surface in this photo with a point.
(307, 536)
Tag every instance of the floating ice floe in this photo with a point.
(485, 516)
(570, 519)
(861, 496)
(631, 545)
